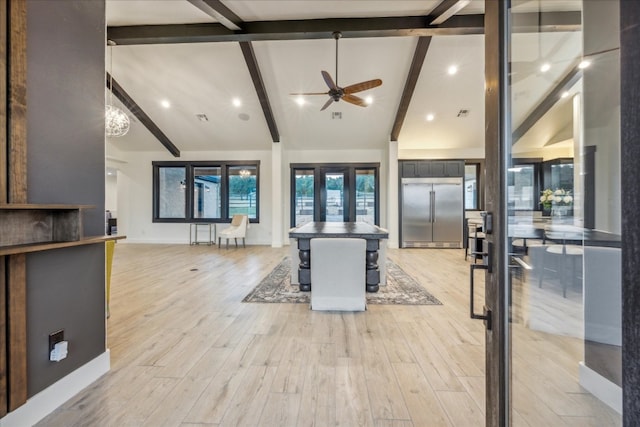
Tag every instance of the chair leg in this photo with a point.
(243, 245)
(227, 247)
(219, 239)
(236, 240)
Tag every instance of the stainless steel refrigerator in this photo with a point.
(432, 212)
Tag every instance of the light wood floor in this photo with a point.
(186, 351)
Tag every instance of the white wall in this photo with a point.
(111, 193)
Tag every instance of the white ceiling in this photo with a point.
(203, 78)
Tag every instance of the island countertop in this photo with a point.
(360, 230)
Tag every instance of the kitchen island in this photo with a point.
(361, 230)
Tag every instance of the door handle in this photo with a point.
(433, 206)
(519, 263)
(486, 313)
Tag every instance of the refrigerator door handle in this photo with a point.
(433, 206)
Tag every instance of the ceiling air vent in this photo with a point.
(464, 112)
(202, 117)
(336, 115)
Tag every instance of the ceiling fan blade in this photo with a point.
(328, 80)
(310, 93)
(326, 104)
(352, 99)
(359, 87)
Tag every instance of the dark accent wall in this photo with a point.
(65, 163)
(630, 135)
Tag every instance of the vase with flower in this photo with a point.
(558, 202)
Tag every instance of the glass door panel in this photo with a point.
(563, 281)
(304, 200)
(333, 200)
(366, 195)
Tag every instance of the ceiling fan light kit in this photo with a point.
(337, 93)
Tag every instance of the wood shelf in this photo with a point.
(45, 246)
(28, 228)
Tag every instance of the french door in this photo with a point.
(331, 192)
(553, 273)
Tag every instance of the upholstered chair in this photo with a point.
(237, 229)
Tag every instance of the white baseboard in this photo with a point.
(49, 399)
(600, 387)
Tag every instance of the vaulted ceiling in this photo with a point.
(200, 55)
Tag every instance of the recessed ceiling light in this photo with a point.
(452, 70)
(300, 101)
(430, 117)
(165, 103)
(584, 64)
(545, 67)
(564, 94)
(369, 100)
(236, 102)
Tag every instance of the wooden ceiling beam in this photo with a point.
(256, 77)
(400, 26)
(410, 85)
(219, 12)
(446, 9)
(543, 107)
(135, 109)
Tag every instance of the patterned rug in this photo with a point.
(401, 289)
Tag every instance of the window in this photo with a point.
(205, 191)
(471, 186)
(207, 199)
(172, 192)
(521, 188)
(243, 190)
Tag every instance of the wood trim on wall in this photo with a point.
(3, 199)
(15, 283)
(17, 93)
(17, 330)
(3, 101)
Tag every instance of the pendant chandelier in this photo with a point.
(116, 121)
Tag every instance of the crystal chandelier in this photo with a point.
(116, 121)
(244, 173)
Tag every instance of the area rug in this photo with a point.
(401, 289)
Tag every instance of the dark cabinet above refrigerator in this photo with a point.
(431, 168)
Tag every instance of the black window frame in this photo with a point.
(479, 164)
(537, 164)
(350, 182)
(189, 189)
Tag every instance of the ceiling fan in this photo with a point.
(336, 93)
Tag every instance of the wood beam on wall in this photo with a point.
(135, 109)
(396, 26)
(256, 76)
(410, 85)
(446, 9)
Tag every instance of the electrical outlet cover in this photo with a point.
(55, 338)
